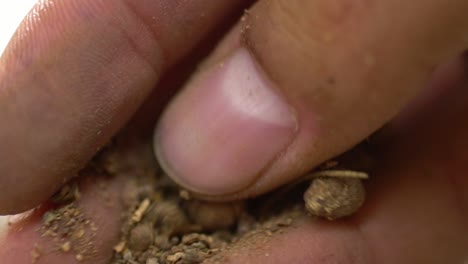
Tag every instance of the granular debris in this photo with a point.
(166, 225)
(163, 224)
(69, 230)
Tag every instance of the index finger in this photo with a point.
(73, 74)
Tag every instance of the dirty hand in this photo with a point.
(293, 84)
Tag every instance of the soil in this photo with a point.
(163, 224)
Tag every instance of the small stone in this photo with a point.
(152, 261)
(174, 240)
(66, 194)
(168, 216)
(175, 257)
(192, 238)
(194, 256)
(65, 247)
(184, 194)
(35, 253)
(212, 216)
(333, 198)
(120, 246)
(140, 211)
(141, 237)
(127, 255)
(79, 257)
(79, 234)
(162, 242)
(48, 218)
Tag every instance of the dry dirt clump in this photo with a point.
(170, 229)
(163, 224)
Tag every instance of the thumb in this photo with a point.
(298, 82)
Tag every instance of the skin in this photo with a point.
(73, 75)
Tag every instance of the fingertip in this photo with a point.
(225, 128)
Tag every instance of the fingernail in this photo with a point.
(225, 128)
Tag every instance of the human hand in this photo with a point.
(325, 76)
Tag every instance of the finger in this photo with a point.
(297, 83)
(73, 74)
(84, 232)
(417, 208)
